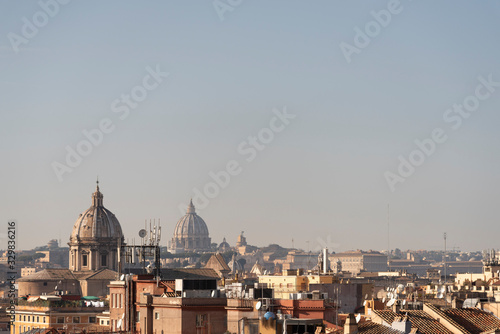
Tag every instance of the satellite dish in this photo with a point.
(383, 300)
(142, 233)
(213, 293)
(258, 306)
(366, 296)
(391, 302)
(364, 303)
(358, 318)
(122, 277)
(388, 288)
(404, 302)
(119, 323)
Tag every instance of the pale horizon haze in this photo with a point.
(320, 178)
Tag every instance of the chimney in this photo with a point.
(396, 307)
(402, 324)
(350, 326)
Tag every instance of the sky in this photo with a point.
(345, 124)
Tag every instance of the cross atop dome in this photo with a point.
(97, 196)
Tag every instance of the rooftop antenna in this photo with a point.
(445, 275)
(388, 240)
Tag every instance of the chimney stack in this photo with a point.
(351, 326)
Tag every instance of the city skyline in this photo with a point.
(292, 120)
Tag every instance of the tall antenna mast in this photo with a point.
(388, 240)
(445, 274)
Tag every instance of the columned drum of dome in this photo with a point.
(190, 233)
(95, 239)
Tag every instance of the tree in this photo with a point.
(38, 256)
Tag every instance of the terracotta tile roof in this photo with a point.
(373, 328)
(473, 320)
(419, 320)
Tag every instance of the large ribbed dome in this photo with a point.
(96, 222)
(96, 238)
(191, 224)
(190, 233)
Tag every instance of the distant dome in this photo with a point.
(190, 233)
(191, 224)
(224, 246)
(96, 222)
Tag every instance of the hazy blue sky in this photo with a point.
(321, 179)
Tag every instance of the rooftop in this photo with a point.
(419, 320)
(474, 320)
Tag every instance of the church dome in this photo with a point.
(191, 225)
(224, 246)
(96, 222)
(190, 233)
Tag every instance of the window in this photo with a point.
(137, 316)
(20, 317)
(44, 283)
(43, 319)
(60, 320)
(29, 318)
(103, 260)
(157, 315)
(201, 320)
(76, 320)
(84, 260)
(107, 323)
(37, 319)
(92, 320)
